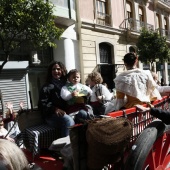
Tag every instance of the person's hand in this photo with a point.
(60, 112)
(21, 104)
(9, 106)
(88, 94)
(10, 139)
(100, 98)
(75, 93)
(142, 108)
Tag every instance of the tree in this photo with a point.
(152, 47)
(29, 21)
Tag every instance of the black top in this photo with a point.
(49, 98)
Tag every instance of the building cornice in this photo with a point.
(165, 6)
(101, 28)
(141, 2)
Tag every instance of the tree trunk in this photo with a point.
(2, 104)
(4, 62)
(153, 67)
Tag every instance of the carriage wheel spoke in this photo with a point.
(150, 160)
(159, 156)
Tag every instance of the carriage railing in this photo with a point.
(141, 120)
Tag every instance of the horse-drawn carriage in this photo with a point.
(150, 143)
(149, 146)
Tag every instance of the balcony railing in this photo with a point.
(103, 19)
(135, 25)
(164, 33)
(167, 2)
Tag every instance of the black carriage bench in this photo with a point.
(35, 134)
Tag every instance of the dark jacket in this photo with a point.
(49, 98)
(161, 114)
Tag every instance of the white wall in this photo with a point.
(67, 50)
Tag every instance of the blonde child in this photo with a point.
(100, 93)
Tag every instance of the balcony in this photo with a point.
(167, 2)
(135, 25)
(164, 4)
(65, 12)
(164, 33)
(103, 19)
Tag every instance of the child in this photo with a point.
(12, 131)
(73, 92)
(9, 121)
(9, 117)
(4, 132)
(100, 93)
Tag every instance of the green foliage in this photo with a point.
(152, 47)
(27, 21)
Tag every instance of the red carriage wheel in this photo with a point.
(151, 151)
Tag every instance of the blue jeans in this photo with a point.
(61, 122)
(81, 116)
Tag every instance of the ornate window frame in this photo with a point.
(113, 49)
(103, 12)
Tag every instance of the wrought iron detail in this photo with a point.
(167, 2)
(135, 25)
(103, 19)
(164, 33)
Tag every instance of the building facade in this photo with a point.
(97, 35)
(109, 28)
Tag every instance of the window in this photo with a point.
(72, 3)
(102, 10)
(105, 53)
(101, 6)
(157, 21)
(24, 54)
(63, 3)
(129, 10)
(140, 24)
(165, 23)
(141, 16)
(165, 30)
(106, 66)
(130, 22)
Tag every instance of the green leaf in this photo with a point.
(27, 21)
(151, 46)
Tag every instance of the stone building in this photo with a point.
(108, 29)
(97, 35)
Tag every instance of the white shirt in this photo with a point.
(67, 95)
(137, 83)
(104, 92)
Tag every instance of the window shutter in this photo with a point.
(13, 87)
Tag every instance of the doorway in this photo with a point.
(106, 67)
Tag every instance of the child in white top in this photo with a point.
(100, 93)
(4, 132)
(73, 92)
